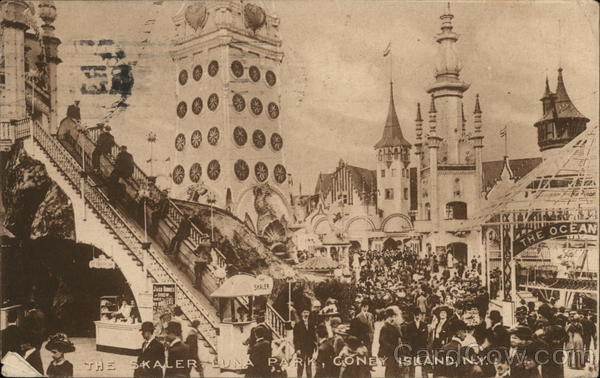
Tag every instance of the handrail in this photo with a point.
(140, 178)
(156, 267)
(277, 322)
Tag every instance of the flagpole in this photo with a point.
(506, 140)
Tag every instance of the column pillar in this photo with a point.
(12, 100)
(48, 15)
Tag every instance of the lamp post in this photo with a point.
(144, 194)
(151, 137)
(211, 200)
(289, 275)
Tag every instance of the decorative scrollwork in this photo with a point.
(280, 173)
(259, 139)
(213, 68)
(178, 174)
(214, 169)
(273, 110)
(241, 170)
(254, 73)
(196, 138)
(271, 78)
(197, 73)
(213, 136)
(256, 106)
(237, 68)
(181, 109)
(240, 136)
(195, 172)
(197, 105)
(183, 77)
(261, 171)
(239, 103)
(213, 102)
(276, 141)
(179, 142)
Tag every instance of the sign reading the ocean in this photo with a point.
(553, 231)
(263, 285)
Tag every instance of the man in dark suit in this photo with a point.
(501, 338)
(104, 145)
(183, 231)
(589, 333)
(259, 352)
(389, 339)
(363, 326)
(304, 343)
(415, 335)
(10, 336)
(29, 352)
(179, 362)
(452, 351)
(325, 368)
(152, 356)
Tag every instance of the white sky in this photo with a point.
(335, 81)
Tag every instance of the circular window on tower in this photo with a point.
(213, 136)
(256, 106)
(197, 105)
(213, 68)
(271, 78)
(213, 101)
(178, 174)
(261, 171)
(197, 73)
(237, 68)
(239, 103)
(179, 142)
(240, 136)
(181, 109)
(273, 110)
(183, 77)
(195, 172)
(214, 169)
(196, 138)
(241, 170)
(276, 141)
(254, 73)
(259, 139)
(280, 173)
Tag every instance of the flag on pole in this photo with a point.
(388, 49)
(503, 132)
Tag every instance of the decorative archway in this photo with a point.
(359, 224)
(390, 244)
(458, 251)
(396, 223)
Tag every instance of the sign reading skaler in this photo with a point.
(163, 299)
(263, 285)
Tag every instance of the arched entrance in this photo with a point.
(458, 250)
(389, 244)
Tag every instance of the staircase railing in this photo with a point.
(140, 179)
(175, 214)
(155, 266)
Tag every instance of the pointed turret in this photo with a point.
(432, 116)
(561, 121)
(419, 123)
(392, 133)
(464, 120)
(477, 105)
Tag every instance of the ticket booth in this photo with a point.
(237, 316)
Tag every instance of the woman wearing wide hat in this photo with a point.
(441, 325)
(58, 345)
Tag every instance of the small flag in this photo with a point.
(388, 49)
(503, 132)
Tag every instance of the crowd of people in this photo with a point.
(25, 335)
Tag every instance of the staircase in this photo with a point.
(140, 180)
(67, 173)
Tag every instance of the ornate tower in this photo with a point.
(393, 157)
(227, 139)
(51, 43)
(447, 90)
(561, 121)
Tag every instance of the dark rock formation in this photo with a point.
(34, 205)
